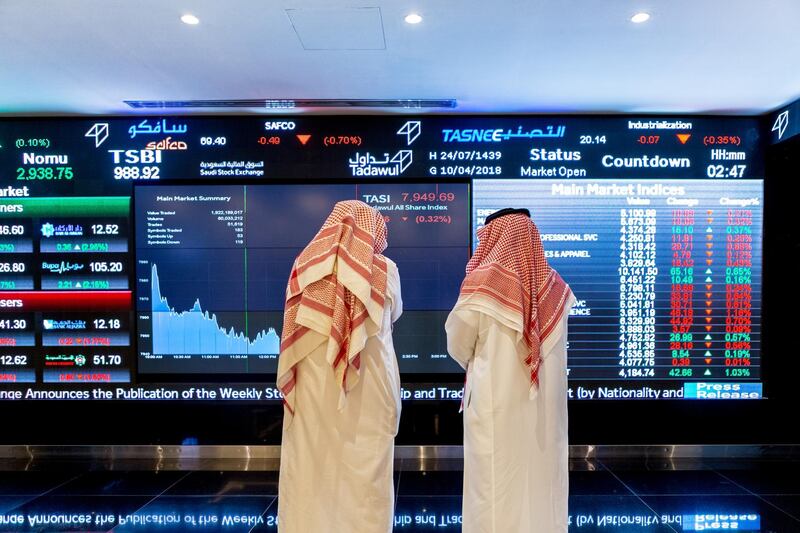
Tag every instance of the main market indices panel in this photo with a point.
(142, 250)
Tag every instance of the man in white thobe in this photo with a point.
(339, 377)
(509, 331)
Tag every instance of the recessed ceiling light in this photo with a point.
(190, 19)
(640, 17)
(413, 18)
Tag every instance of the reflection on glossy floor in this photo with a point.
(621, 497)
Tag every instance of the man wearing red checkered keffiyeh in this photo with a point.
(508, 330)
(339, 378)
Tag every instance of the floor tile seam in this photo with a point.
(637, 495)
(399, 479)
(154, 498)
(758, 496)
(42, 494)
(271, 503)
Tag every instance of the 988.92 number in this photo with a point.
(136, 173)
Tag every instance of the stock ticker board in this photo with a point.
(138, 251)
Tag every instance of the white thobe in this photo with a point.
(516, 456)
(337, 465)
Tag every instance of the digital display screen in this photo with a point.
(65, 305)
(146, 258)
(213, 262)
(667, 276)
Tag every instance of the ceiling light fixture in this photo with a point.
(190, 19)
(640, 17)
(413, 18)
(279, 104)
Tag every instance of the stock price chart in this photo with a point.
(213, 262)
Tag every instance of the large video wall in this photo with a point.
(146, 258)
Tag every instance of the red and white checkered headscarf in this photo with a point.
(509, 278)
(335, 295)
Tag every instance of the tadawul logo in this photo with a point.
(99, 132)
(780, 124)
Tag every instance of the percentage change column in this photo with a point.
(738, 292)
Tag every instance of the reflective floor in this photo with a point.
(604, 496)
